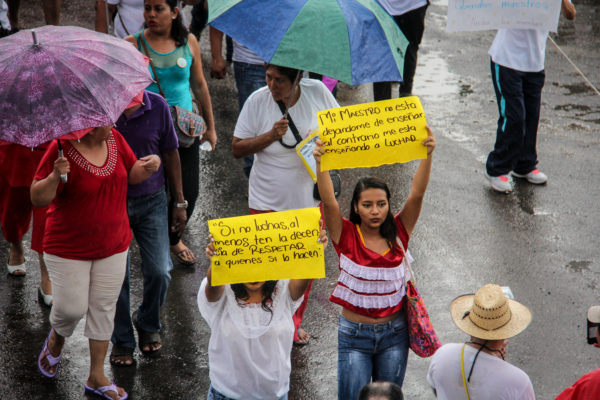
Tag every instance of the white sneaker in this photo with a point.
(536, 177)
(502, 183)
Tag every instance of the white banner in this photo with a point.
(480, 15)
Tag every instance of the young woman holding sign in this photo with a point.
(251, 335)
(372, 333)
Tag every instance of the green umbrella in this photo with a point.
(354, 41)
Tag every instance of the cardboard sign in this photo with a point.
(269, 246)
(479, 15)
(373, 134)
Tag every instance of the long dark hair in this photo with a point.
(240, 292)
(388, 228)
(179, 32)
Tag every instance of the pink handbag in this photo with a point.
(422, 338)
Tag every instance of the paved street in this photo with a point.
(541, 241)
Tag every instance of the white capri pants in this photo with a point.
(89, 288)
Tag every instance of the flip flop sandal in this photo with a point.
(180, 256)
(146, 338)
(14, 268)
(101, 391)
(52, 361)
(121, 352)
(301, 342)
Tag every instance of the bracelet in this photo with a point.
(183, 205)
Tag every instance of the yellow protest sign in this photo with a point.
(270, 246)
(373, 134)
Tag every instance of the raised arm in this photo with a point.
(412, 208)
(331, 208)
(213, 293)
(43, 191)
(245, 147)
(297, 287)
(200, 89)
(568, 9)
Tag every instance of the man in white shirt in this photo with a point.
(476, 369)
(517, 63)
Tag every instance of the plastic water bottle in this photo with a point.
(205, 146)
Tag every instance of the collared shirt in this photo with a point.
(149, 130)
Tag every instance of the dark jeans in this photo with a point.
(148, 221)
(248, 78)
(519, 96)
(368, 352)
(412, 24)
(190, 179)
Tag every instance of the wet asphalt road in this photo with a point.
(540, 241)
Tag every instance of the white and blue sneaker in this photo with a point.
(536, 177)
(502, 183)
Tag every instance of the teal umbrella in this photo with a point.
(354, 41)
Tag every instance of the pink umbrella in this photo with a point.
(57, 80)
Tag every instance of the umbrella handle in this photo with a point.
(63, 177)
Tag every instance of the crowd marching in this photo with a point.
(93, 190)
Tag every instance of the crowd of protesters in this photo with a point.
(134, 179)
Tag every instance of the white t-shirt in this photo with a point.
(520, 49)
(279, 180)
(242, 54)
(132, 13)
(249, 349)
(492, 378)
(400, 7)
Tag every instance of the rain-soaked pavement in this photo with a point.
(540, 241)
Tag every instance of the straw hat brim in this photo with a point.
(520, 319)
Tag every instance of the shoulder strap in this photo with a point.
(462, 370)
(121, 20)
(142, 40)
(408, 272)
(292, 127)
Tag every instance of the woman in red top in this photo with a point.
(17, 167)
(86, 240)
(372, 334)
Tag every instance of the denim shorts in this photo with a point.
(368, 352)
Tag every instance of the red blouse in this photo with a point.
(87, 220)
(370, 283)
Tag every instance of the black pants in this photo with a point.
(519, 96)
(412, 24)
(190, 180)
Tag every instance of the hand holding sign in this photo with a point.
(373, 134)
(270, 246)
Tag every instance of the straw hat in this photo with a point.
(489, 315)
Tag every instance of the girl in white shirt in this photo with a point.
(251, 335)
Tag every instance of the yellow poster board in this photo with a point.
(270, 246)
(373, 134)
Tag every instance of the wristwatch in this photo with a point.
(183, 205)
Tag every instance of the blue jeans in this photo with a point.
(214, 395)
(248, 78)
(368, 352)
(519, 97)
(148, 221)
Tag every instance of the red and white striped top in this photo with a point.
(370, 283)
